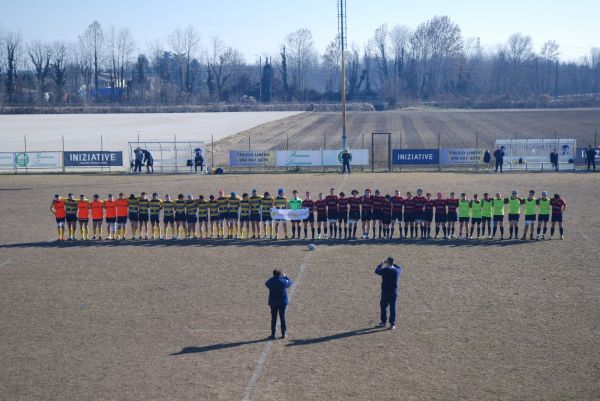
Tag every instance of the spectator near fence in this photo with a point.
(554, 159)
(345, 161)
(139, 157)
(591, 157)
(198, 160)
(148, 160)
(499, 156)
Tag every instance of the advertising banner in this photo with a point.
(37, 159)
(415, 156)
(580, 156)
(289, 214)
(461, 155)
(7, 160)
(298, 158)
(536, 150)
(247, 158)
(92, 159)
(358, 157)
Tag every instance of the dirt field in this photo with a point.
(478, 320)
(416, 129)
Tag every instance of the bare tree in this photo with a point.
(92, 47)
(185, 44)
(39, 54)
(12, 46)
(59, 69)
(222, 61)
(331, 62)
(302, 56)
(379, 50)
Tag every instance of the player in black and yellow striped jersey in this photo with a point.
(266, 203)
(180, 220)
(255, 213)
(71, 216)
(244, 216)
(213, 208)
(144, 215)
(281, 202)
(191, 216)
(156, 205)
(233, 215)
(202, 216)
(168, 216)
(133, 209)
(223, 202)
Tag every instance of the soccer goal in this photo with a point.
(381, 151)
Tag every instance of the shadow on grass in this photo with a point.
(215, 347)
(337, 336)
(214, 243)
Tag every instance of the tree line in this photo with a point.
(398, 65)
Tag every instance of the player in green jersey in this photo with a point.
(530, 214)
(476, 214)
(543, 215)
(498, 214)
(295, 204)
(464, 214)
(486, 215)
(514, 214)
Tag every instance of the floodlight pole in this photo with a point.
(342, 37)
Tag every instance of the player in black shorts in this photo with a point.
(343, 215)
(441, 215)
(366, 203)
(332, 212)
(321, 207)
(353, 213)
(309, 204)
(397, 204)
(428, 215)
(409, 215)
(386, 215)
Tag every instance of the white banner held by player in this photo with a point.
(289, 214)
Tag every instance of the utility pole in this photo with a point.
(342, 36)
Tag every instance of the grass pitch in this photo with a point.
(478, 320)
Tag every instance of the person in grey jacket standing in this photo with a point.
(390, 273)
(278, 300)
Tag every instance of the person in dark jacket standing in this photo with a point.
(390, 273)
(499, 156)
(591, 157)
(278, 300)
(346, 161)
(554, 160)
(148, 160)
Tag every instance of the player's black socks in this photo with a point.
(312, 230)
(495, 230)
(325, 229)
(478, 232)
(318, 230)
(502, 231)
(538, 230)
(545, 230)
(517, 232)
(380, 229)
(354, 230)
(392, 231)
(406, 230)
(510, 231)
(552, 231)
(437, 230)
(561, 231)
(305, 231)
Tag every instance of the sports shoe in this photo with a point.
(271, 338)
(562, 236)
(282, 336)
(382, 324)
(393, 327)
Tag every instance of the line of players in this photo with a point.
(337, 215)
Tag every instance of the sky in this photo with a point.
(258, 27)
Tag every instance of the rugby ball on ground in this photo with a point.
(311, 247)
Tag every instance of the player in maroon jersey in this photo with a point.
(428, 215)
(366, 202)
(332, 212)
(386, 215)
(441, 216)
(558, 207)
(353, 214)
(452, 204)
(309, 204)
(321, 206)
(378, 200)
(409, 215)
(397, 202)
(343, 216)
(419, 210)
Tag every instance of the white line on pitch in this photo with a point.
(267, 348)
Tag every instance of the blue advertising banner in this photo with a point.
(581, 155)
(415, 156)
(93, 159)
